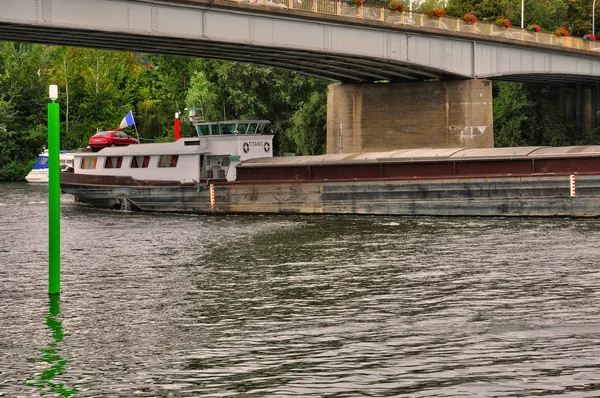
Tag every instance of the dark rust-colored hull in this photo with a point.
(495, 194)
(438, 169)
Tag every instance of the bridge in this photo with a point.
(439, 57)
(379, 45)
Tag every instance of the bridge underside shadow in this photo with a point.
(344, 68)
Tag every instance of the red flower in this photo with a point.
(435, 13)
(395, 5)
(561, 32)
(503, 22)
(470, 19)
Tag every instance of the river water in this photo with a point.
(166, 305)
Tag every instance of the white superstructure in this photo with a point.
(213, 154)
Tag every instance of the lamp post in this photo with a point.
(593, 18)
(53, 193)
(523, 14)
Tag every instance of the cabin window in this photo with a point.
(241, 128)
(190, 143)
(88, 163)
(113, 162)
(168, 161)
(227, 128)
(138, 162)
(203, 130)
(251, 129)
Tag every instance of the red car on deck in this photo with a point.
(102, 139)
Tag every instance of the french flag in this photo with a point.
(127, 121)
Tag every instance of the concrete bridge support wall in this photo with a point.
(386, 116)
(580, 103)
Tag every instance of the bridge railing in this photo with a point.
(413, 18)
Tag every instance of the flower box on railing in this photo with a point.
(470, 19)
(435, 13)
(589, 37)
(503, 22)
(534, 28)
(396, 6)
(561, 32)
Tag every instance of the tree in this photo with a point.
(295, 104)
(525, 114)
(307, 125)
(22, 108)
(511, 112)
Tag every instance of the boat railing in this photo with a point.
(234, 127)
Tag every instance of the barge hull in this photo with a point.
(491, 196)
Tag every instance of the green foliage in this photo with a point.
(527, 115)
(511, 110)
(15, 150)
(579, 17)
(21, 108)
(307, 125)
(426, 5)
(549, 14)
(295, 104)
(97, 88)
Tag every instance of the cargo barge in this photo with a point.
(229, 168)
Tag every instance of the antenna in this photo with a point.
(192, 115)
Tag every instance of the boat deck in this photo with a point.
(424, 164)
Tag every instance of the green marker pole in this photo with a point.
(54, 193)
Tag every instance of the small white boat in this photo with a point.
(39, 173)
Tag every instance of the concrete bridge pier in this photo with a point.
(579, 106)
(590, 105)
(597, 105)
(581, 103)
(385, 116)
